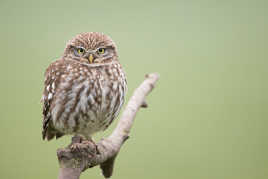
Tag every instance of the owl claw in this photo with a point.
(87, 146)
(76, 147)
(96, 146)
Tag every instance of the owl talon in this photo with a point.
(92, 143)
(76, 147)
(96, 146)
(87, 146)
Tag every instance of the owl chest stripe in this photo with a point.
(73, 109)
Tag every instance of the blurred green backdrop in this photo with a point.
(207, 118)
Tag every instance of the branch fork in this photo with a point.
(73, 161)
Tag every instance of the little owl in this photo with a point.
(84, 89)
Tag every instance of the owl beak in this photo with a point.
(90, 58)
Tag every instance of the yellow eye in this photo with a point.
(80, 50)
(101, 50)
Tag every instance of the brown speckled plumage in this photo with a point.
(83, 96)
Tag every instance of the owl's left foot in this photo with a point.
(84, 146)
(96, 146)
(80, 144)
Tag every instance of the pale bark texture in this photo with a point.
(74, 162)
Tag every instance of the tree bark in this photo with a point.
(87, 154)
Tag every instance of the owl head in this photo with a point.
(91, 47)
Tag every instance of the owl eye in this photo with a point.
(80, 51)
(101, 50)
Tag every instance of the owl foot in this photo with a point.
(96, 146)
(84, 147)
(80, 144)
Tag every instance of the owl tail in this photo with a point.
(49, 133)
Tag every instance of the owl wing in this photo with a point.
(52, 76)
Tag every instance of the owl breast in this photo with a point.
(86, 98)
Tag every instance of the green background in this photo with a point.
(207, 117)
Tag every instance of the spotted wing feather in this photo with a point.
(49, 132)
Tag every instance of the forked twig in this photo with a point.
(73, 163)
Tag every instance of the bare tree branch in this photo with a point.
(73, 162)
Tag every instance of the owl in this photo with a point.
(84, 89)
